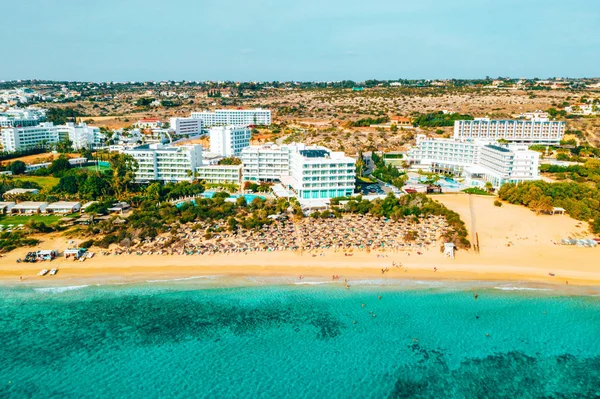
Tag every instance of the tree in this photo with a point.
(230, 161)
(123, 168)
(544, 204)
(59, 166)
(17, 167)
(489, 187)
(360, 164)
(64, 146)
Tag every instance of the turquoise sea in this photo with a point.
(201, 338)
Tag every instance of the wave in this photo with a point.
(58, 290)
(315, 282)
(512, 288)
(182, 279)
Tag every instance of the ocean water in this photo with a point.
(313, 340)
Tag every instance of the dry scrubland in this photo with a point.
(321, 116)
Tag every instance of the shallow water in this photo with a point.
(189, 339)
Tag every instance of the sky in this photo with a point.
(304, 40)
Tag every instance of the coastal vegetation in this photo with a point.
(580, 200)
(438, 119)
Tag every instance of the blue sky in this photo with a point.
(119, 40)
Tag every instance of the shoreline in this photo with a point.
(516, 246)
(290, 265)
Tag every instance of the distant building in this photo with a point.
(46, 133)
(186, 126)
(229, 141)
(22, 117)
(517, 131)
(149, 123)
(582, 109)
(401, 121)
(234, 117)
(166, 163)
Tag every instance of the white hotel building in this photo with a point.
(185, 126)
(476, 160)
(46, 133)
(228, 141)
(165, 163)
(311, 172)
(535, 131)
(235, 117)
(20, 117)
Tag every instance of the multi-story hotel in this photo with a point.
(220, 173)
(83, 136)
(229, 141)
(266, 163)
(311, 172)
(166, 163)
(21, 138)
(508, 164)
(476, 159)
(443, 155)
(235, 117)
(22, 117)
(185, 126)
(46, 133)
(535, 131)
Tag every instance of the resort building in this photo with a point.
(477, 160)
(443, 155)
(29, 207)
(24, 137)
(5, 207)
(311, 172)
(516, 131)
(235, 117)
(20, 191)
(22, 117)
(506, 164)
(265, 163)
(229, 141)
(46, 133)
(63, 207)
(157, 162)
(83, 136)
(215, 174)
(185, 126)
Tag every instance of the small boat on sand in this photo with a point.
(43, 272)
(53, 272)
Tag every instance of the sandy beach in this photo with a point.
(515, 245)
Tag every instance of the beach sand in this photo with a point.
(515, 245)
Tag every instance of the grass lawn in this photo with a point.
(46, 182)
(22, 219)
